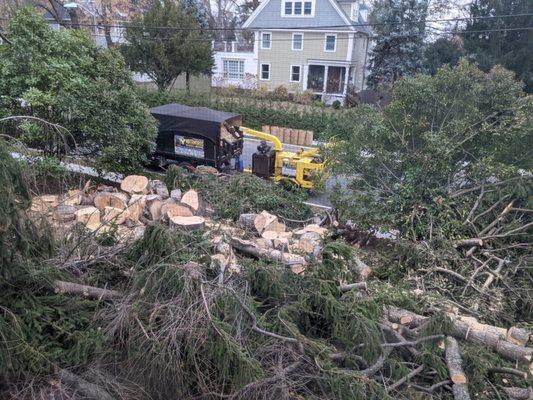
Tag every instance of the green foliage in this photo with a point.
(458, 128)
(501, 42)
(324, 122)
(242, 193)
(336, 105)
(61, 76)
(400, 27)
(442, 51)
(164, 54)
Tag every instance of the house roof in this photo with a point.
(328, 15)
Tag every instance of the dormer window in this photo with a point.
(298, 8)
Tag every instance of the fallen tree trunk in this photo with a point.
(249, 248)
(465, 331)
(519, 393)
(86, 291)
(87, 389)
(469, 243)
(455, 366)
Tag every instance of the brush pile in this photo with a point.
(258, 308)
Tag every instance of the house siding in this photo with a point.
(270, 17)
(281, 56)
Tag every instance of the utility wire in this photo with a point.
(355, 25)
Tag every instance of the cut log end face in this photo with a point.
(458, 379)
(187, 223)
(191, 198)
(135, 184)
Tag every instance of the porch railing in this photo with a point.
(233, 46)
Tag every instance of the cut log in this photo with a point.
(469, 243)
(362, 269)
(351, 286)
(285, 235)
(281, 243)
(160, 188)
(249, 248)
(106, 199)
(136, 207)
(269, 235)
(269, 218)
(275, 226)
(247, 220)
(455, 366)
(305, 246)
(192, 199)
(88, 390)
(44, 204)
(519, 336)
(515, 393)
(171, 209)
(65, 213)
(114, 215)
(263, 243)
(176, 195)
(135, 184)
(86, 291)
(462, 330)
(72, 198)
(187, 223)
(154, 209)
(88, 216)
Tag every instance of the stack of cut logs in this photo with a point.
(290, 136)
(138, 202)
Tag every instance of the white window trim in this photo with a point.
(261, 71)
(292, 41)
(243, 68)
(270, 42)
(326, 42)
(299, 74)
(302, 15)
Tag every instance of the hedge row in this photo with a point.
(324, 122)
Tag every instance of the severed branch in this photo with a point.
(457, 375)
(401, 381)
(519, 393)
(86, 291)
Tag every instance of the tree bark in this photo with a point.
(86, 291)
(519, 393)
(466, 331)
(249, 248)
(455, 366)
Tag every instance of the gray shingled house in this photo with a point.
(318, 45)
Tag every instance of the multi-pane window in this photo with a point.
(233, 69)
(297, 41)
(288, 8)
(330, 42)
(265, 72)
(266, 40)
(295, 73)
(355, 12)
(298, 8)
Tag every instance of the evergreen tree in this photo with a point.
(440, 52)
(164, 54)
(497, 45)
(400, 28)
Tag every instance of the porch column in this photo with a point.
(305, 77)
(346, 76)
(325, 88)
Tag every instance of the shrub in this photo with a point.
(280, 93)
(336, 105)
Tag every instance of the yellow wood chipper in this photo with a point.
(193, 136)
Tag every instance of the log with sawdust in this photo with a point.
(187, 223)
(249, 248)
(86, 291)
(192, 199)
(455, 366)
(464, 331)
(135, 184)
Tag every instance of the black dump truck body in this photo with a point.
(197, 136)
